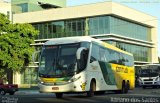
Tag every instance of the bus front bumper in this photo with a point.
(69, 87)
(155, 83)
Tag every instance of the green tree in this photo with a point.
(15, 49)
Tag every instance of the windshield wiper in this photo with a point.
(50, 76)
(45, 75)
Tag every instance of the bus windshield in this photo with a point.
(57, 61)
(150, 71)
(148, 74)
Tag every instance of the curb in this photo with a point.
(27, 92)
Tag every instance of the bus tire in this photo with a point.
(59, 95)
(124, 87)
(90, 93)
(144, 87)
(2, 92)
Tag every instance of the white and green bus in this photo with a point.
(84, 65)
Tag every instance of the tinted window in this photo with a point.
(110, 56)
(95, 52)
(102, 54)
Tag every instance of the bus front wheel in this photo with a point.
(90, 93)
(144, 87)
(125, 87)
(59, 95)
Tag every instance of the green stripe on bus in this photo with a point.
(107, 73)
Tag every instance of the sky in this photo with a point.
(151, 7)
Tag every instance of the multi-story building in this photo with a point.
(5, 8)
(124, 27)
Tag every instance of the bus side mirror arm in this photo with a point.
(79, 51)
(81, 62)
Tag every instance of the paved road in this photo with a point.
(136, 96)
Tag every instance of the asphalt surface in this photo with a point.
(138, 95)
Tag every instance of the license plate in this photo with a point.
(55, 88)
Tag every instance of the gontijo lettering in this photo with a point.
(122, 69)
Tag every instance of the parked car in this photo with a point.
(8, 88)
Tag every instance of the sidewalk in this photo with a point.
(24, 91)
(30, 91)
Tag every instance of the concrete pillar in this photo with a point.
(16, 78)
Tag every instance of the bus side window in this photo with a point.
(114, 57)
(120, 58)
(102, 54)
(107, 55)
(94, 53)
(128, 60)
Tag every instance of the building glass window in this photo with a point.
(114, 25)
(75, 27)
(95, 26)
(29, 76)
(24, 7)
(140, 53)
(98, 25)
(129, 29)
(57, 29)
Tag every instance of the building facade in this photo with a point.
(124, 27)
(5, 8)
(20, 6)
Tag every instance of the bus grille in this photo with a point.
(148, 79)
(148, 83)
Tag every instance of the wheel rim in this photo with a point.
(2, 92)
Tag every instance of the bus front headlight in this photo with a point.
(40, 82)
(157, 79)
